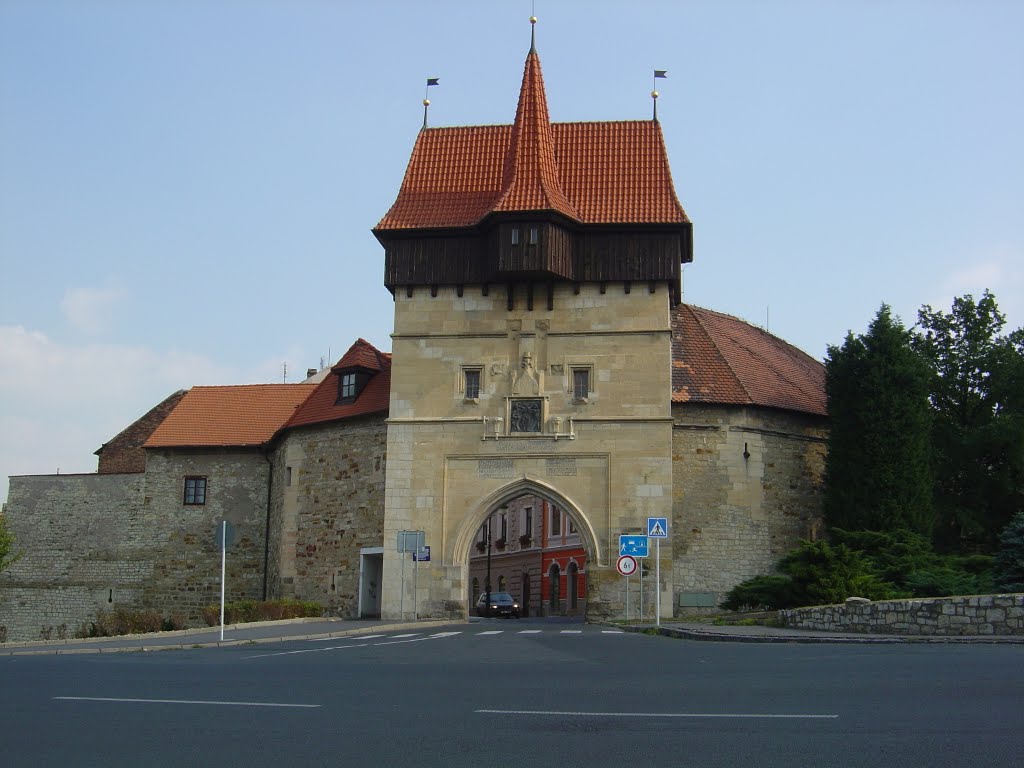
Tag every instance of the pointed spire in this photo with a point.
(530, 179)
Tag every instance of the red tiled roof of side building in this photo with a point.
(240, 416)
(609, 172)
(322, 406)
(720, 359)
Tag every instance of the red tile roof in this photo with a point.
(721, 359)
(236, 416)
(595, 173)
(375, 397)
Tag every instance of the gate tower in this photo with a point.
(533, 268)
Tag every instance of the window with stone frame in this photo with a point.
(580, 383)
(471, 383)
(195, 491)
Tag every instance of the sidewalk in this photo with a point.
(207, 637)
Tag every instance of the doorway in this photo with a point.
(371, 577)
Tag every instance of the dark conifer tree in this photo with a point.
(977, 388)
(877, 471)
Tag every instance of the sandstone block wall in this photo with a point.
(939, 616)
(330, 509)
(747, 486)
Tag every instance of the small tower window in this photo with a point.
(534, 236)
(580, 383)
(471, 383)
(515, 235)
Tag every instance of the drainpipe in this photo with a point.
(266, 535)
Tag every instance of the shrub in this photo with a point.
(122, 621)
(269, 610)
(761, 593)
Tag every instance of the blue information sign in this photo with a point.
(657, 527)
(634, 546)
(423, 555)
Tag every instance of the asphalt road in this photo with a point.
(504, 693)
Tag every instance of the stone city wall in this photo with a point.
(747, 487)
(329, 505)
(83, 545)
(939, 616)
(104, 541)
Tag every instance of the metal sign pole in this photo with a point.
(401, 597)
(641, 590)
(415, 582)
(657, 582)
(223, 570)
(627, 598)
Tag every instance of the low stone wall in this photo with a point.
(976, 615)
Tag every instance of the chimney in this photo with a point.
(310, 373)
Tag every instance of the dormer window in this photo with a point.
(350, 384)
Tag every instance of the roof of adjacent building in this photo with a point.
(235, 416)
(322, 405)
(720, 359)
(593, 173)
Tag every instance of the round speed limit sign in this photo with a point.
(626, 565)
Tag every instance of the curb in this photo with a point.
(726, 637)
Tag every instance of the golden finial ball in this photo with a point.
(533, 19)
(654, 94)
(426, 102)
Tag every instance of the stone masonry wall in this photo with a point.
(97, 542)
(939, 616)
(182, 538)
(747, 486)
(332, 508)
(84, 545)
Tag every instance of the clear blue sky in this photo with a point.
(187, 187)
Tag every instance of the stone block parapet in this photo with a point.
(939, 616)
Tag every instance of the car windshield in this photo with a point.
(501, 597)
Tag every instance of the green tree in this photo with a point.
(977, 394)
(877, 470)
(7, 554)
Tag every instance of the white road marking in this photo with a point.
(446, 634)
(529, 632)
(612, 632)
(571, 632)
(491, 632)
(411, 634)
(310, 650)
(651, 714)
(187, 701)
(336, 639)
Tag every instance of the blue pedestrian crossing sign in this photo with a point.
(657, 527)
(634, 546)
